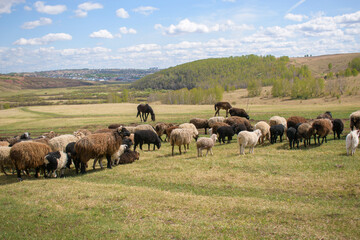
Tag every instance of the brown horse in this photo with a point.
(222, 105)
(144, 110)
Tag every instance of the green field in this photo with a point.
(277, 193)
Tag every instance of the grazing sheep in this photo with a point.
(265, 130)
(338, 127)
(180, 137)
(225, 131)
(246, 138)
(5, 160)
(238, 128)
(327, 115)
(222, 105)
(85, 132)
(129, 157)
(216, 126)
(200, 123)
(352, 141)
(292, 121)
(275, 131)
(214, 120)
(322, 128)
(144, 127)
(238, 120)
(355, 120)
(17, 139)
(205, 143)
(305, 131)
(169, 130)
(98, 145)
(27, 155)
(70, 151)
(50, 135)
(114, 157)
(59, 143)
(104, 130)
(239, 112)
(291, 133)
(160, 129)
(4, 143)
(115, 126)
(276, 120)
(191, 127)
(56, 161)
(147, 137)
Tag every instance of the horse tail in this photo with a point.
(215, 106)
(138, 113)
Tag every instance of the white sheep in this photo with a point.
(59, 143)
(246, 138)
(180, 137)
(213, 120)
(205, 143)
(352, 141)
(265, 130)
(114, 158)
(276, 120)
(191, 127)
(5, 160)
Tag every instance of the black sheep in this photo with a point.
(292, 136)
(239, 112)
(338, 127)
(275, 131)
(238, 128)
(225, 131)
(146, 136)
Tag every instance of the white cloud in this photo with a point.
(295, 17)
(83, 8)
(5, 5)
(103, 33)
(125, 30)
(27, 8)
(51, 37)
(41, 22)
(145, 10)
(122, 13)
(348, 18)
(141, 47)
(49, 9)
(229, 0)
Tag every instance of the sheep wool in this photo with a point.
(246, 138)
(200, 123)
(56, 161)
(5, 160)
(355, 120)
(276, 120)
(205, 143)
(59, 143)
(213, 120)
(180, 137)
(352, 141)
(191, 127)
(265, 130)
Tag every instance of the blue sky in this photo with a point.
(52, 34)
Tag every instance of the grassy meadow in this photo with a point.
(277, 193)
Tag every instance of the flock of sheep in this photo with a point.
(51, 153)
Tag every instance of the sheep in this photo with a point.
(169, 130)
(98, 145)
(56, 161)
(160, 129)
(322, 128)
(292, 121)
(213, 120)
(191, 127)
(355, 120)
(327, 115)
(246, 138)
(85, 132)
(27, 155)
(352, 141)
(104, 130)
(291, 133)
(239, 112)
(275, 131)
(115, 157)
(17, 139)
(59, 143)
(338, 127)
(238, 128)
(5, 160)
(50, 135)
(200, 123)
(4, 143)
(276, 120)
(180, 137)
(205, 143)
(70, 151)
(129, 157)
(225, 131)
(265, 130)
(306, 131)
(216, 126)
(237, 120)
(146, 136)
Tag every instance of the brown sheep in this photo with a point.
(305, 131)
(169, 130)
(27, 155)
(294, 120)
(129, 157)
(322, 128)
(238, 120)
(200, 123)
(160, 129)
(239, 112)
(216, 126)
(327, 115)
(4, 143)
(355, 120)
(85, 132)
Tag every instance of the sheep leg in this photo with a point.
(3, 170)
(108, 157)
(227, 112)
(37, 172)
(180, 149)
(211, 152)
(153, 149)
(82, 168)
(95, 161)
(205, 130)
(172, 151)
(19, 175)
(62, 173)
(198, 152)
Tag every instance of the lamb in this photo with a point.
(180, 137)
(239, 112)
(56, 161)
(352, 141)
(216, 126)
(129, 157)
(355, 120)
(322, 128)
(275, 131)
(225, 131)
(338, 127)
(237, 120)
(27, 155)
(292, 121)
(276, 120)
(146, 136)
(246, 138)
(205, 143)
(306, 131)
(213, 120)
(291, 133)
(59, 143)
(160, 129)
(327, 115)
(200, 123)
(265, 130)
(98, 145)
(5, 160)
(191, 127)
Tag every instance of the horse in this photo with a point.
(144, 110)
(222, 105)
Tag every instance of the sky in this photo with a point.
(73, 34)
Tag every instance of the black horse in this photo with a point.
(145, 110)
